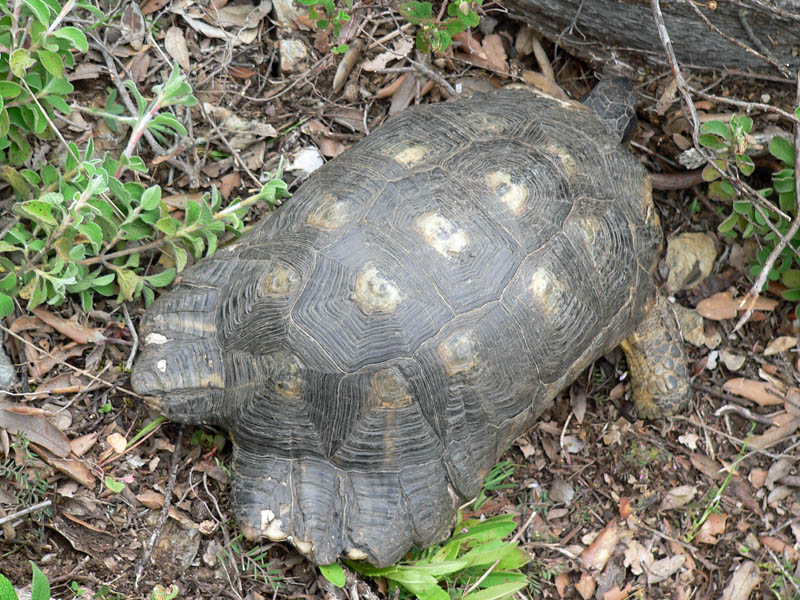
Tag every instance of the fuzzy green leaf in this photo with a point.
(20, 185)
(37, 211)
(168, 225)
(20, 62)
(127, 281)
(52, 63)
(6, 308)
(9, 89)
(782, 150)
(162, 279)
(39, 10)
(114, 485)
(719, 128)
(151, 198)
(712, 141)
(745, 164)
(74, 35)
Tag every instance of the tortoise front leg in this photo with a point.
(657, 363)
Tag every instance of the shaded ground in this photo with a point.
(677, 520)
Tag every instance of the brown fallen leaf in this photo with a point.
(117, 442)
(743, 581)
(664, 568)
(707, 466)
(759, 303)
(177, 48)
(151, 499)
(774, 435)
(586, 586)
(595, 557)
(779, 344)
(71, 467)
(81, 445)
(761, 392)
(151, 6)
(718, 307)
(545, 84)
(713, 526)
(78, 333)
(618, 594)
(66, 383)
(678, 496)
(35, 427)
(561, 581)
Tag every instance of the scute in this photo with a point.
(376, 343)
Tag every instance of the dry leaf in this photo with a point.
(597, 554)
(177, 48)
(35, 427)
(402, 46)
(117, 442)
(707, 466)
(617, 594)
(78, 333)
(779, 469)
(624, 507)
(664, 568)
(72, 467)
(678, 496)
(586, 586)
(718, 307)
(760, 392)
(743, 581)
(713, 526)
(561, 581)
(757, 477)
(689, 440)
(81, 445)
(151, 499)
(780, 344)
(775, 435)
(637, 557)
(545, 84)
(733, 362)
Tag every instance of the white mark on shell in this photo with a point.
(442, 234)
(161, 365)
(271, 527)
(302, 546)
(356, 554)
(567, 160)
(513, 195)
(376, 293)
(155, 338)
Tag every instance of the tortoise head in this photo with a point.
(614, 101)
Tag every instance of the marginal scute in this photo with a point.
(513, 195)
(442, 234)
(330, 213)
(280, 280)
(389, 389)
(374, 292)
(459, 353)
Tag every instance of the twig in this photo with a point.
(134, 337)
(683, 87)
(235, 153)
(743, 412)
(162, 518)
(782, 68)
(783, 240)
(60, 361)
(25, 511)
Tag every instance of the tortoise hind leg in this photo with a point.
(657, 364)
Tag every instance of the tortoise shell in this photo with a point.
(375, 344)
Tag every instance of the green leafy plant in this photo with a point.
(495, 480)
(27, 475)
(40, 588)
(436, 35)
(325, 12)
(476, 556)
(36, 51)
(82, 230)
(770, 217)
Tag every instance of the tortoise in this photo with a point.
(377, 343)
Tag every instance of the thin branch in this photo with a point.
(25, 511)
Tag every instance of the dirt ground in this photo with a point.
(701, 505)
